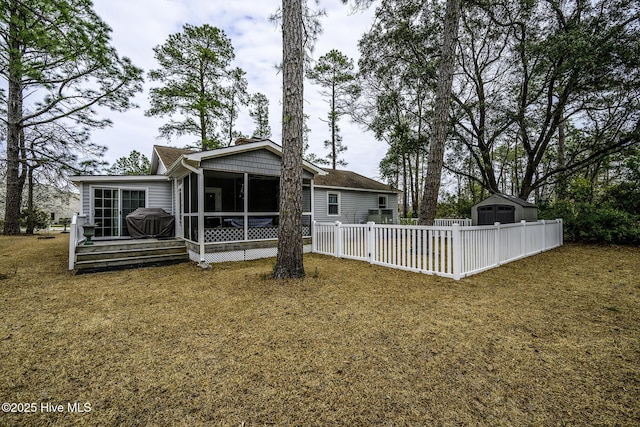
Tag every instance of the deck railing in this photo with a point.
(75, 237)
(451, 251)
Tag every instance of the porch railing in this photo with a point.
(451, 251)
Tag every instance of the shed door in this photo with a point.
(505, 214)
(486, 215)
(490, 214)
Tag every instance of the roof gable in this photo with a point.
(195, 158)
(167, 156)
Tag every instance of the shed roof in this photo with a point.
(346, 179)
(514, 199)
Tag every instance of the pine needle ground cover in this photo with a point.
(553, 339)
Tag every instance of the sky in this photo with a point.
(140, 25)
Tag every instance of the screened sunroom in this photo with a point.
(228, 201)
(236, 207)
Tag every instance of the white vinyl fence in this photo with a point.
(438, 222)
(451, 251)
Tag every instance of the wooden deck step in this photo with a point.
(129, 254)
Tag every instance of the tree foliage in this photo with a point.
(193, 70)
(58, 65)
(546, 89)
(334, 73)
(398, 72)
(543, 92)
(133, 164)
(259, 112)
(234, 96)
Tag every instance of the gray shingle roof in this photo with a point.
(168, 155)
(348, 179)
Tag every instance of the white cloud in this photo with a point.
(139, 25)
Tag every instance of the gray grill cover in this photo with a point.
(150, 222)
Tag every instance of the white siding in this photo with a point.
(159, 193)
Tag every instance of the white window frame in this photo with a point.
(329, 204)
(386, 201)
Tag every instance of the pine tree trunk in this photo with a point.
(289, 262)
(30, 210)
(14, 119)
(441, 114)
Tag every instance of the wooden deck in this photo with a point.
(129, 253)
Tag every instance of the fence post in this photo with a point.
(561, 231)
(456, 252)
(496, 242)
(337, 238)
(313, 237)
(371, 235)
(73, 231)
(523, 240)
(544, 235)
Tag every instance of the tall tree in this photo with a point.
(398, 76)
(335, 75)
(58, 51)
(193, 66)
(289, 263)
(52, 152)
(135, 163)
(234, 96)
(259, 112)
(553, 90)
(441, 122)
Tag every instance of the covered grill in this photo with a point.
(150, 222)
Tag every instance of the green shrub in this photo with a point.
(594, 223)
(41, 219)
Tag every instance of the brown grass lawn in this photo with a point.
(550, 340)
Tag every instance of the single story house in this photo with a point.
(226, 201)
(503, 208)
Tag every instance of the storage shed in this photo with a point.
(504, 209)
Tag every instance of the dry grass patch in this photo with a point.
(549, 340)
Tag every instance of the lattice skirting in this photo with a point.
(240, 255)
(232, 234)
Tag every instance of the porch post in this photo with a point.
(201, 216)
(176, 202)
(245, 206)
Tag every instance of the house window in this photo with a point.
(382, 202)
(333, 204)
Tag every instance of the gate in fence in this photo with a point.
(453, 251)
